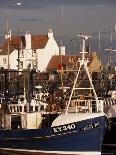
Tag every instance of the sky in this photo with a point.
(67, 18)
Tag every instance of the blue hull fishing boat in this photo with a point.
(81, 136)
(78, 130)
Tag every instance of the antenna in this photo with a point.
(110, 50)
(99, 42)
(111, 39)
(8, 39)
(61, 43)
(62, 14)
(7, 25)
(99, 36)
(84, 37)
(18, 49)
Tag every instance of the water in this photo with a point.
(106, 151)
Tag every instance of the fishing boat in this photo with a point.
(79, 129)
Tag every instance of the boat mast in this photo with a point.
(28, 89)
(83, 62)
(60, 49)
(110, 50)
(8, 42)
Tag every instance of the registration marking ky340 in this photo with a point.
(64, 128)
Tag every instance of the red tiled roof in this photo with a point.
(67, 60)
(56, 60)
(38, 42)
(8, 45)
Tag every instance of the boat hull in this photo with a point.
(74, 138)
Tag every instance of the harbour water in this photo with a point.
(108, 149)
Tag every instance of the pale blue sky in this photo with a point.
(77, 16)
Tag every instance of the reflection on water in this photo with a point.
(7, 153)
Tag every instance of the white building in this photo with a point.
(34, 49)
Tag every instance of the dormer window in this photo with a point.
(4, 61)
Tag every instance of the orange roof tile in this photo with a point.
(39, 41)
(56, 60)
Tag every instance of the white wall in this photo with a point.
(53, 46)
(44, 55)
(27, 58)
(41, 61)
(13, 60)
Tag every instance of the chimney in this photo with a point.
(50, 33)
(28, 40)
(8, 35)
(62, 50)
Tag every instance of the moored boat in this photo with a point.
(78, 130)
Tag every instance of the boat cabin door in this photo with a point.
(16, 122)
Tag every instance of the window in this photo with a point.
(4, 61)
(34, 53)
(21, 54)
(34, 63)
(21, 64)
